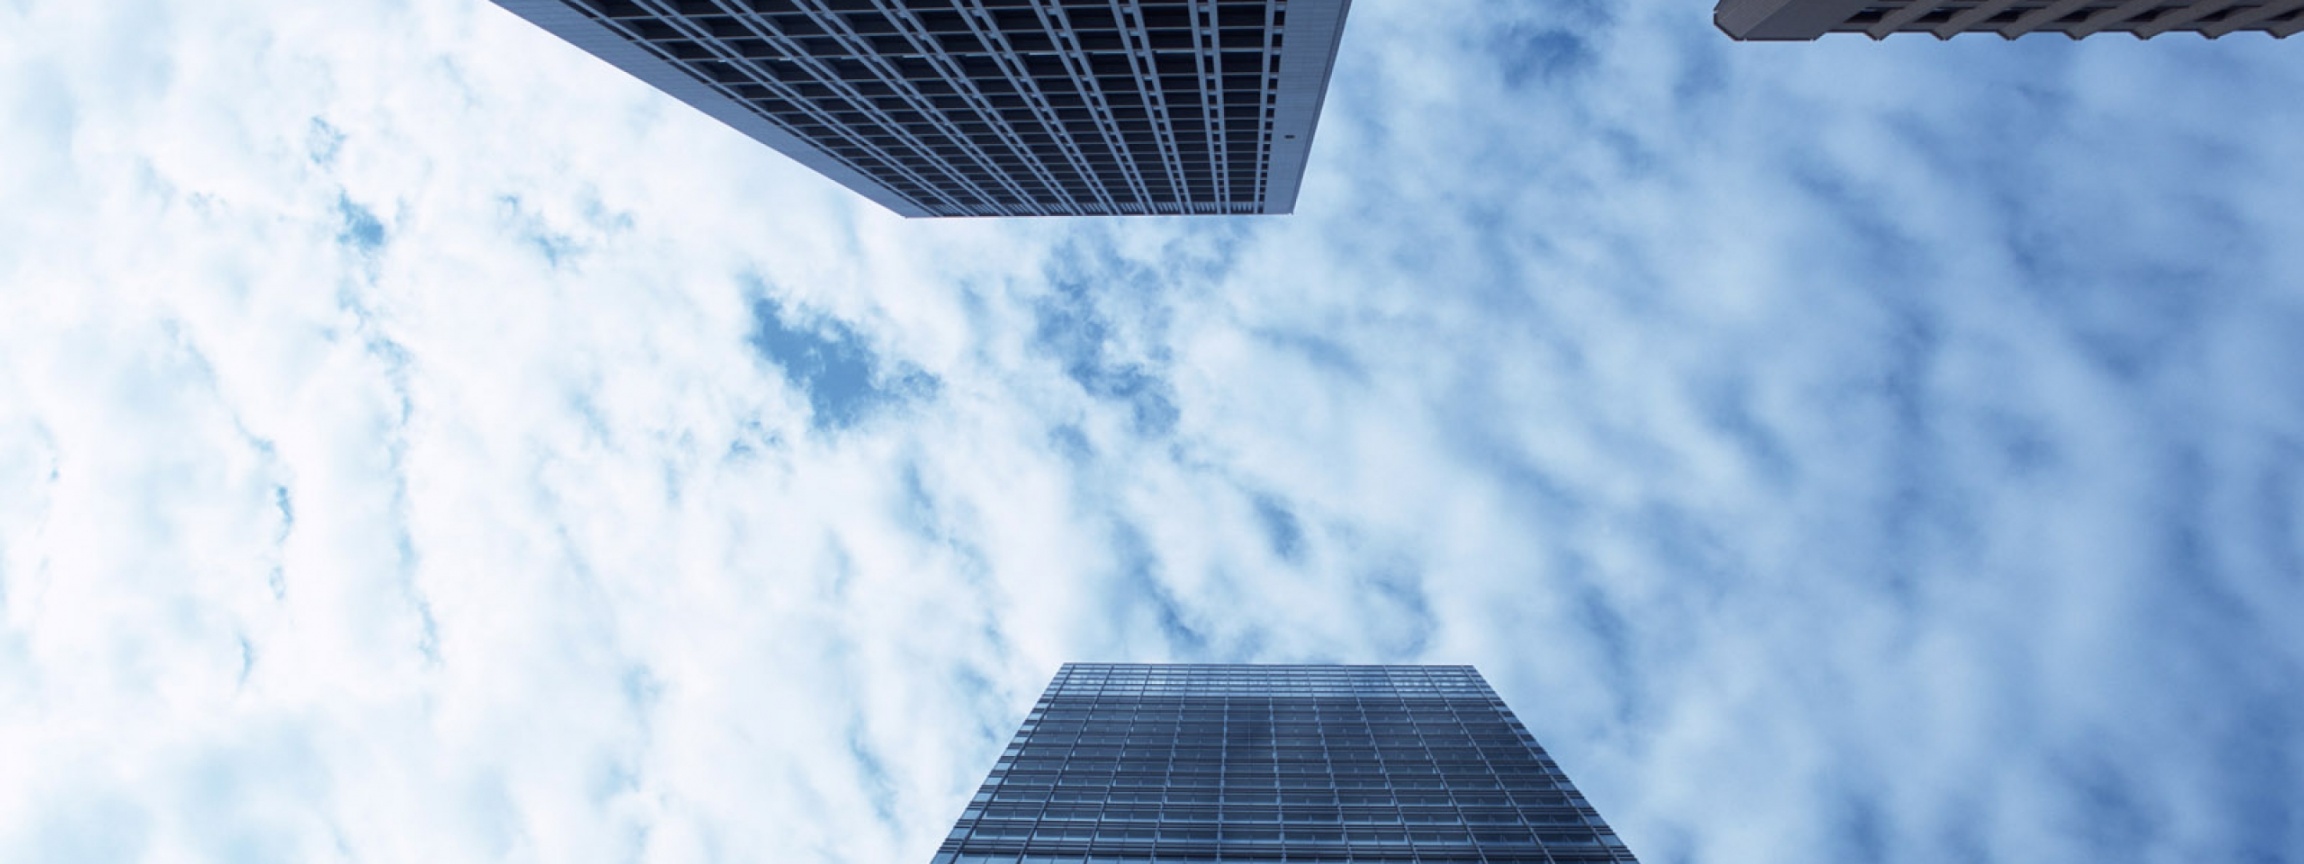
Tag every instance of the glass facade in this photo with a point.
(997, 107)
(1202, 764)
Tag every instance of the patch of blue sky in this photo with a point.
(361, 230)
(1140, 591)
(1070, 325)
(843, 379)
(1543, 54)
(1393, 594)
(323, 141)
(555, 245)
(1283, 532)
(99, 830)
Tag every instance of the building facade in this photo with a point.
(2144, 19)
(996, 107)
(1132, 764)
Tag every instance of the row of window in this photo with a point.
(1268, 737)
(1302, 697)
(1121, 95)
(1243, 796)
(993, 87)
(1596, 856)
(1229, 833)
(1345, 677)
(1526, 803)
(1548, 809)
(1469, 769)
(1093, 744)
(1040, 51)
(1268, 730)
(1446, 731)
(1484, 724)
(1264, 700)
(1208, 710)
(1182, 102)
(1103, 166)
(1231, 82)
(1475, 769)
(1270, 673)
(1169, 24)
(1161, 199)
(1170, 52)
(1342, 687)
(1116, 188)
(1242, 155)
(1170, 207)
(1325, 694)
(1462, 734)
(1214, 756)
(952, 32)
(1096, 163)
(1267, 733)
(948, 173)
(1283, 704)
(1252, 759)
(972, 184)
(1309, 815)
(1071, 124)
(1215, 718)
(1266, 765)
(1284, 782)
(1377, 688)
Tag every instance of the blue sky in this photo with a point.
(419, 441)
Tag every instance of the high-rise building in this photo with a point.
(1126, 764)
(996, 107)
(2144, 19)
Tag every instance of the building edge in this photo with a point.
(1307, 62)
(555, 17)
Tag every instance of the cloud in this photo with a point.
(423, 442)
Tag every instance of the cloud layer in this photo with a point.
(418, 441)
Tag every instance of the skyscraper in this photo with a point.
(1120, 764)
(996, 107)
(2144, 19)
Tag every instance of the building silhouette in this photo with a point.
(996, 107)
(1122, 764)
(2144, 19)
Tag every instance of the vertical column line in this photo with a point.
(1067, 41)
(1207, 46)
(726, 54)
(986, 27)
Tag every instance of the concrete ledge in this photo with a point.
(1782, 20)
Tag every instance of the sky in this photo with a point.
(421, 441)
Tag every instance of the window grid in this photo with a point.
(1121, 763)
(999, 107)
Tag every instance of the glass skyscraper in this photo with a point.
(1333, 764)
(996, 107)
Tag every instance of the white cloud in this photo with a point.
(1833, 452)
